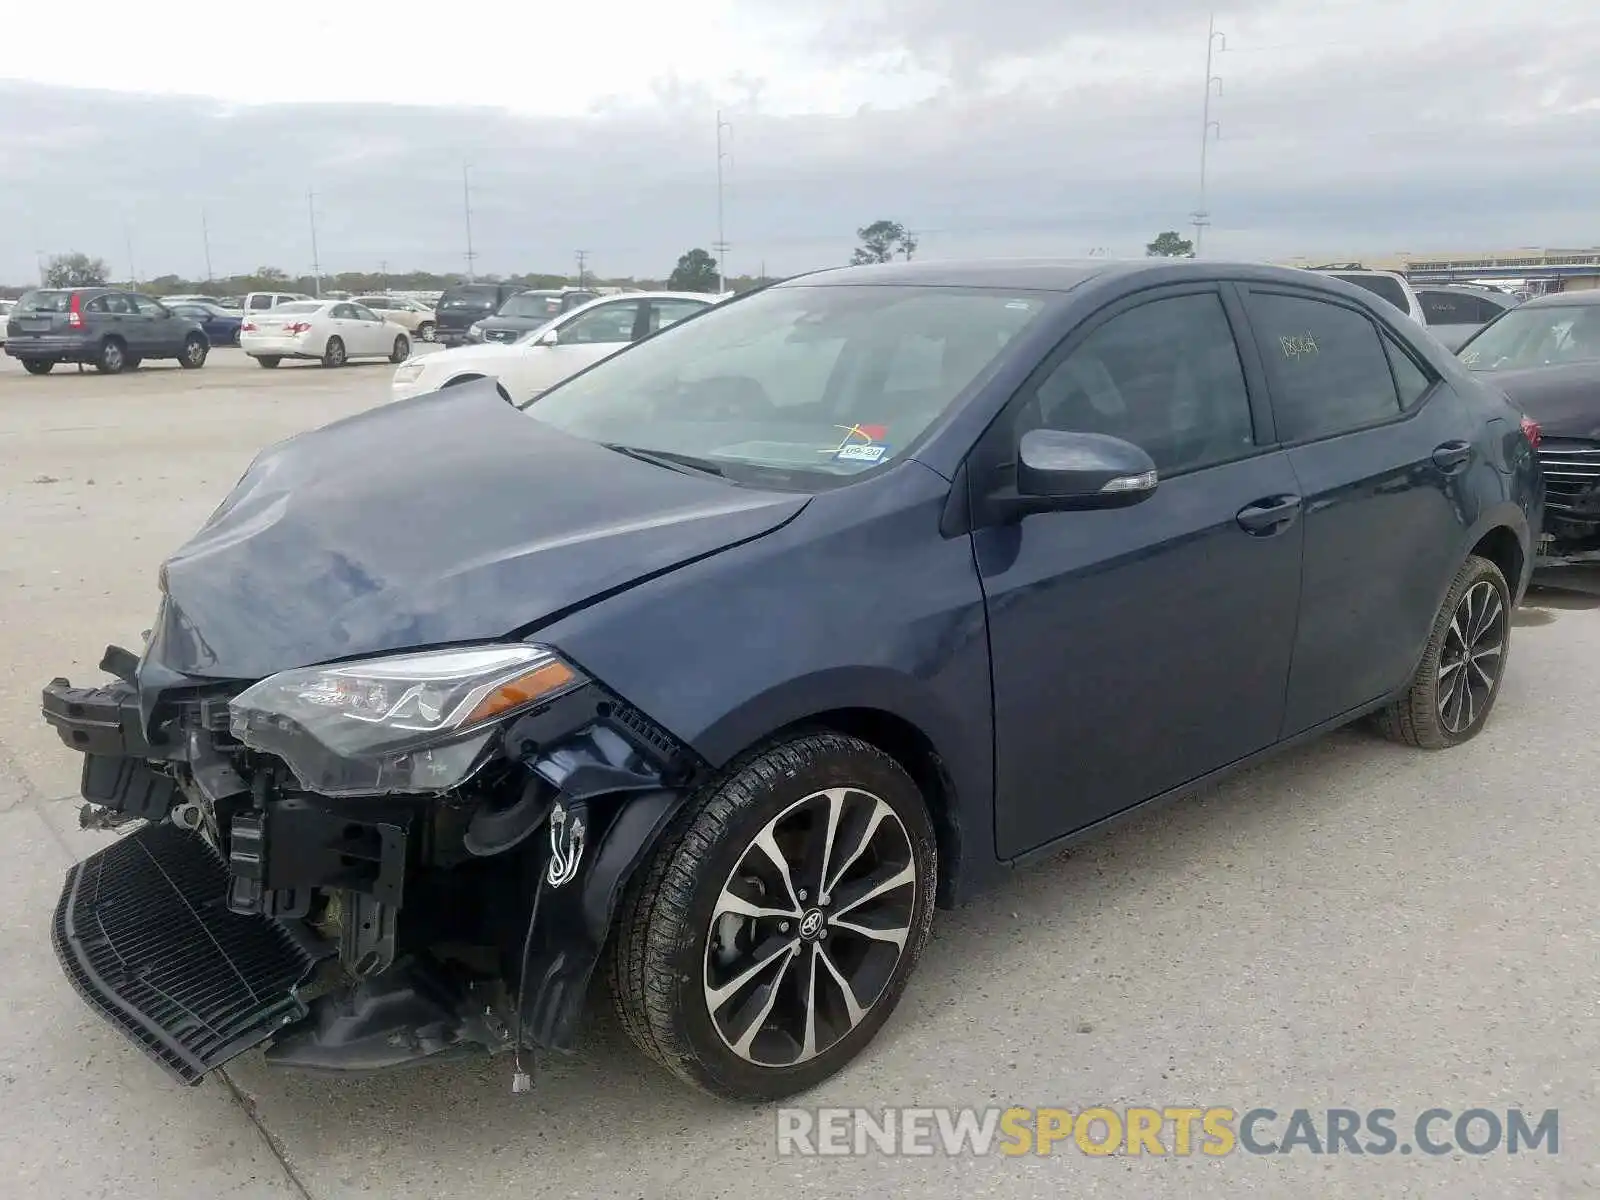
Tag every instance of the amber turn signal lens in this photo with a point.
(541, 681)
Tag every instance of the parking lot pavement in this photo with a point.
(1353, 925)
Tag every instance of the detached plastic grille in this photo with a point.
(145, 936)
(1571, 472)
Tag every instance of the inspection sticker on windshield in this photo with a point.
(860, 452)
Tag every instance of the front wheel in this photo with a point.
(425, 331)
(194, 353)
(401, 351)
(778, 920)
(1455, 686)
(333, 355)
(38, 366)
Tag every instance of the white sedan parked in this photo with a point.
(544, 357)
(330, 331)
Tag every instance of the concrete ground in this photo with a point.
(1352, 925)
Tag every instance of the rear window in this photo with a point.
(44, 301)
(299, 306)
(471, 297)
(1380, 285)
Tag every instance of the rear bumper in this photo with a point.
(62, 349)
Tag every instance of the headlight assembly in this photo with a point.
(403, 723)
(410, 372)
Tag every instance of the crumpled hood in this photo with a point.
(1565, 399)
(449, 517)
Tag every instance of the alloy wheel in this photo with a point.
(809, 926)
(1471, 658)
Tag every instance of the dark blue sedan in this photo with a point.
(220, 325)
(720, 665)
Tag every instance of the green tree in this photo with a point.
(881, 241)
(696, 272)
(1169, 245)
(75, 270)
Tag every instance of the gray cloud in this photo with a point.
(1466, 141)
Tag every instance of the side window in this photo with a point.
(364, 314)
(1410, 380)
(608, 323)
(344, 312)
(670, 312)
(147, 307)
(1164, 376)
(1328, 370)
(260, 303)
(117, 303)
(97, 305)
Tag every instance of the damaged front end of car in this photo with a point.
(365, 864)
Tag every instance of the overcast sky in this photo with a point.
(996, 127)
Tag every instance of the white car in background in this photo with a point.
(5, 311)
(329, 331)
(545, 356)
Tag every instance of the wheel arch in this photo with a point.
(1502, 536)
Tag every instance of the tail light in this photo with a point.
(248, 327)
(75, 311)
(1531, 431)
(298, 327)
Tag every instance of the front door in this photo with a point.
(585, 339)
(1136, 649)
(1375, 441)
(162, 333)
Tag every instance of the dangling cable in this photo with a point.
(521, 1081)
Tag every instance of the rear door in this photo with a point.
(39, 313)
(377, 336)
(1136, 649)
(1384, 453)
(113, 314)
(670, 312)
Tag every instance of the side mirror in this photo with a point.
(1061, 471)
(550, 337)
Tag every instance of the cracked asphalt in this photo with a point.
(1352, 924)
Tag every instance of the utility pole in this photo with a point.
(316, 264)
(127, 241)
(1215, 40)
(466, 200)
(721, 244)
(582, 257)
(205, 239)
(383, 276)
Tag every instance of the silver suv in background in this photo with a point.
(1390, 285)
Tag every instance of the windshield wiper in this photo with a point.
(687, 463)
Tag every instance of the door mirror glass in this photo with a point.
(1058, 469)
(550, 337)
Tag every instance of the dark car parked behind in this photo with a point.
(460, 306)
(527, 311)
(221, 326)
(113, 330)
(718, 665)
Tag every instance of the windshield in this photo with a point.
(44, 302)
(531, 304)
(1536, 337)
(1380, 285)
(799, 383)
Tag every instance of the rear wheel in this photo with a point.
(111, 358)
(194, 352)
(268, 360)
(1458, 680)
(774, 928)
(425, 331)
(334, 355)
(401, 351)
(38, 366)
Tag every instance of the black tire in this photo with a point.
(425, 331)
(334, 355)
(1471, 639)
(268, 360)
(112, 357)
(38, 366)
(401, 351)
(194, 353)
(660, 963)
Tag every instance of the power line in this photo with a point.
(1208, 127)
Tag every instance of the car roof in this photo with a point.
(1552, 299)
(1047, 274)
